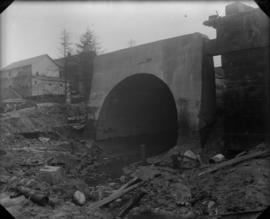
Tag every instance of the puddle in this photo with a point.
(121, 152)
(154, 144)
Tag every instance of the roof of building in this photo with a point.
(25, 62)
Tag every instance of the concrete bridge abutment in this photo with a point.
(152, 88)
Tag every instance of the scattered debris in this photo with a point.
(236, 160)
(114, 196)
(62, 177)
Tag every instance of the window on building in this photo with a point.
(217, 61)
(37, 73)
(50, 84)
(35, 82)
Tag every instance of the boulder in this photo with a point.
(79, 198)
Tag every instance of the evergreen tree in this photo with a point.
(88, 43)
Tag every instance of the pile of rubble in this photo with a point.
(55, 176)
(51, 178)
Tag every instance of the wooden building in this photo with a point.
(33, 77)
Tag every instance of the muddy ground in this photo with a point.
(168, 185)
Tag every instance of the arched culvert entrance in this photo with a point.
(140, 105)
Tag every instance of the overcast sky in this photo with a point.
(33, 28)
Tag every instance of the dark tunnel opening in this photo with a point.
(139, 110)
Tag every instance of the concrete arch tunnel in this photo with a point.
(163, 86)
(139, 104)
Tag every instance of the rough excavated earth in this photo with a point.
(171, 191)
(40, 118)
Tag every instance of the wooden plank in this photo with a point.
(113, 196)
(235, 161)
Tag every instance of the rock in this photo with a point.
(189, 154)
(118, 200)
(79, 198)
(212, 208)
(210, 204)
(217, 158)
(51, 174)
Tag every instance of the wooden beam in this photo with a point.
(113, 196)
(235, 161)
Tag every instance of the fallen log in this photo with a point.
(132, 203)
(34, 196)
(114, 196)
(235, 161)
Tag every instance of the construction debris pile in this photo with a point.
(51, 175)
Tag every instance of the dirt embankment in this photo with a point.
(44, 117)
(41, 118)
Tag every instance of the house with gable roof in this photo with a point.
(33, 77)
